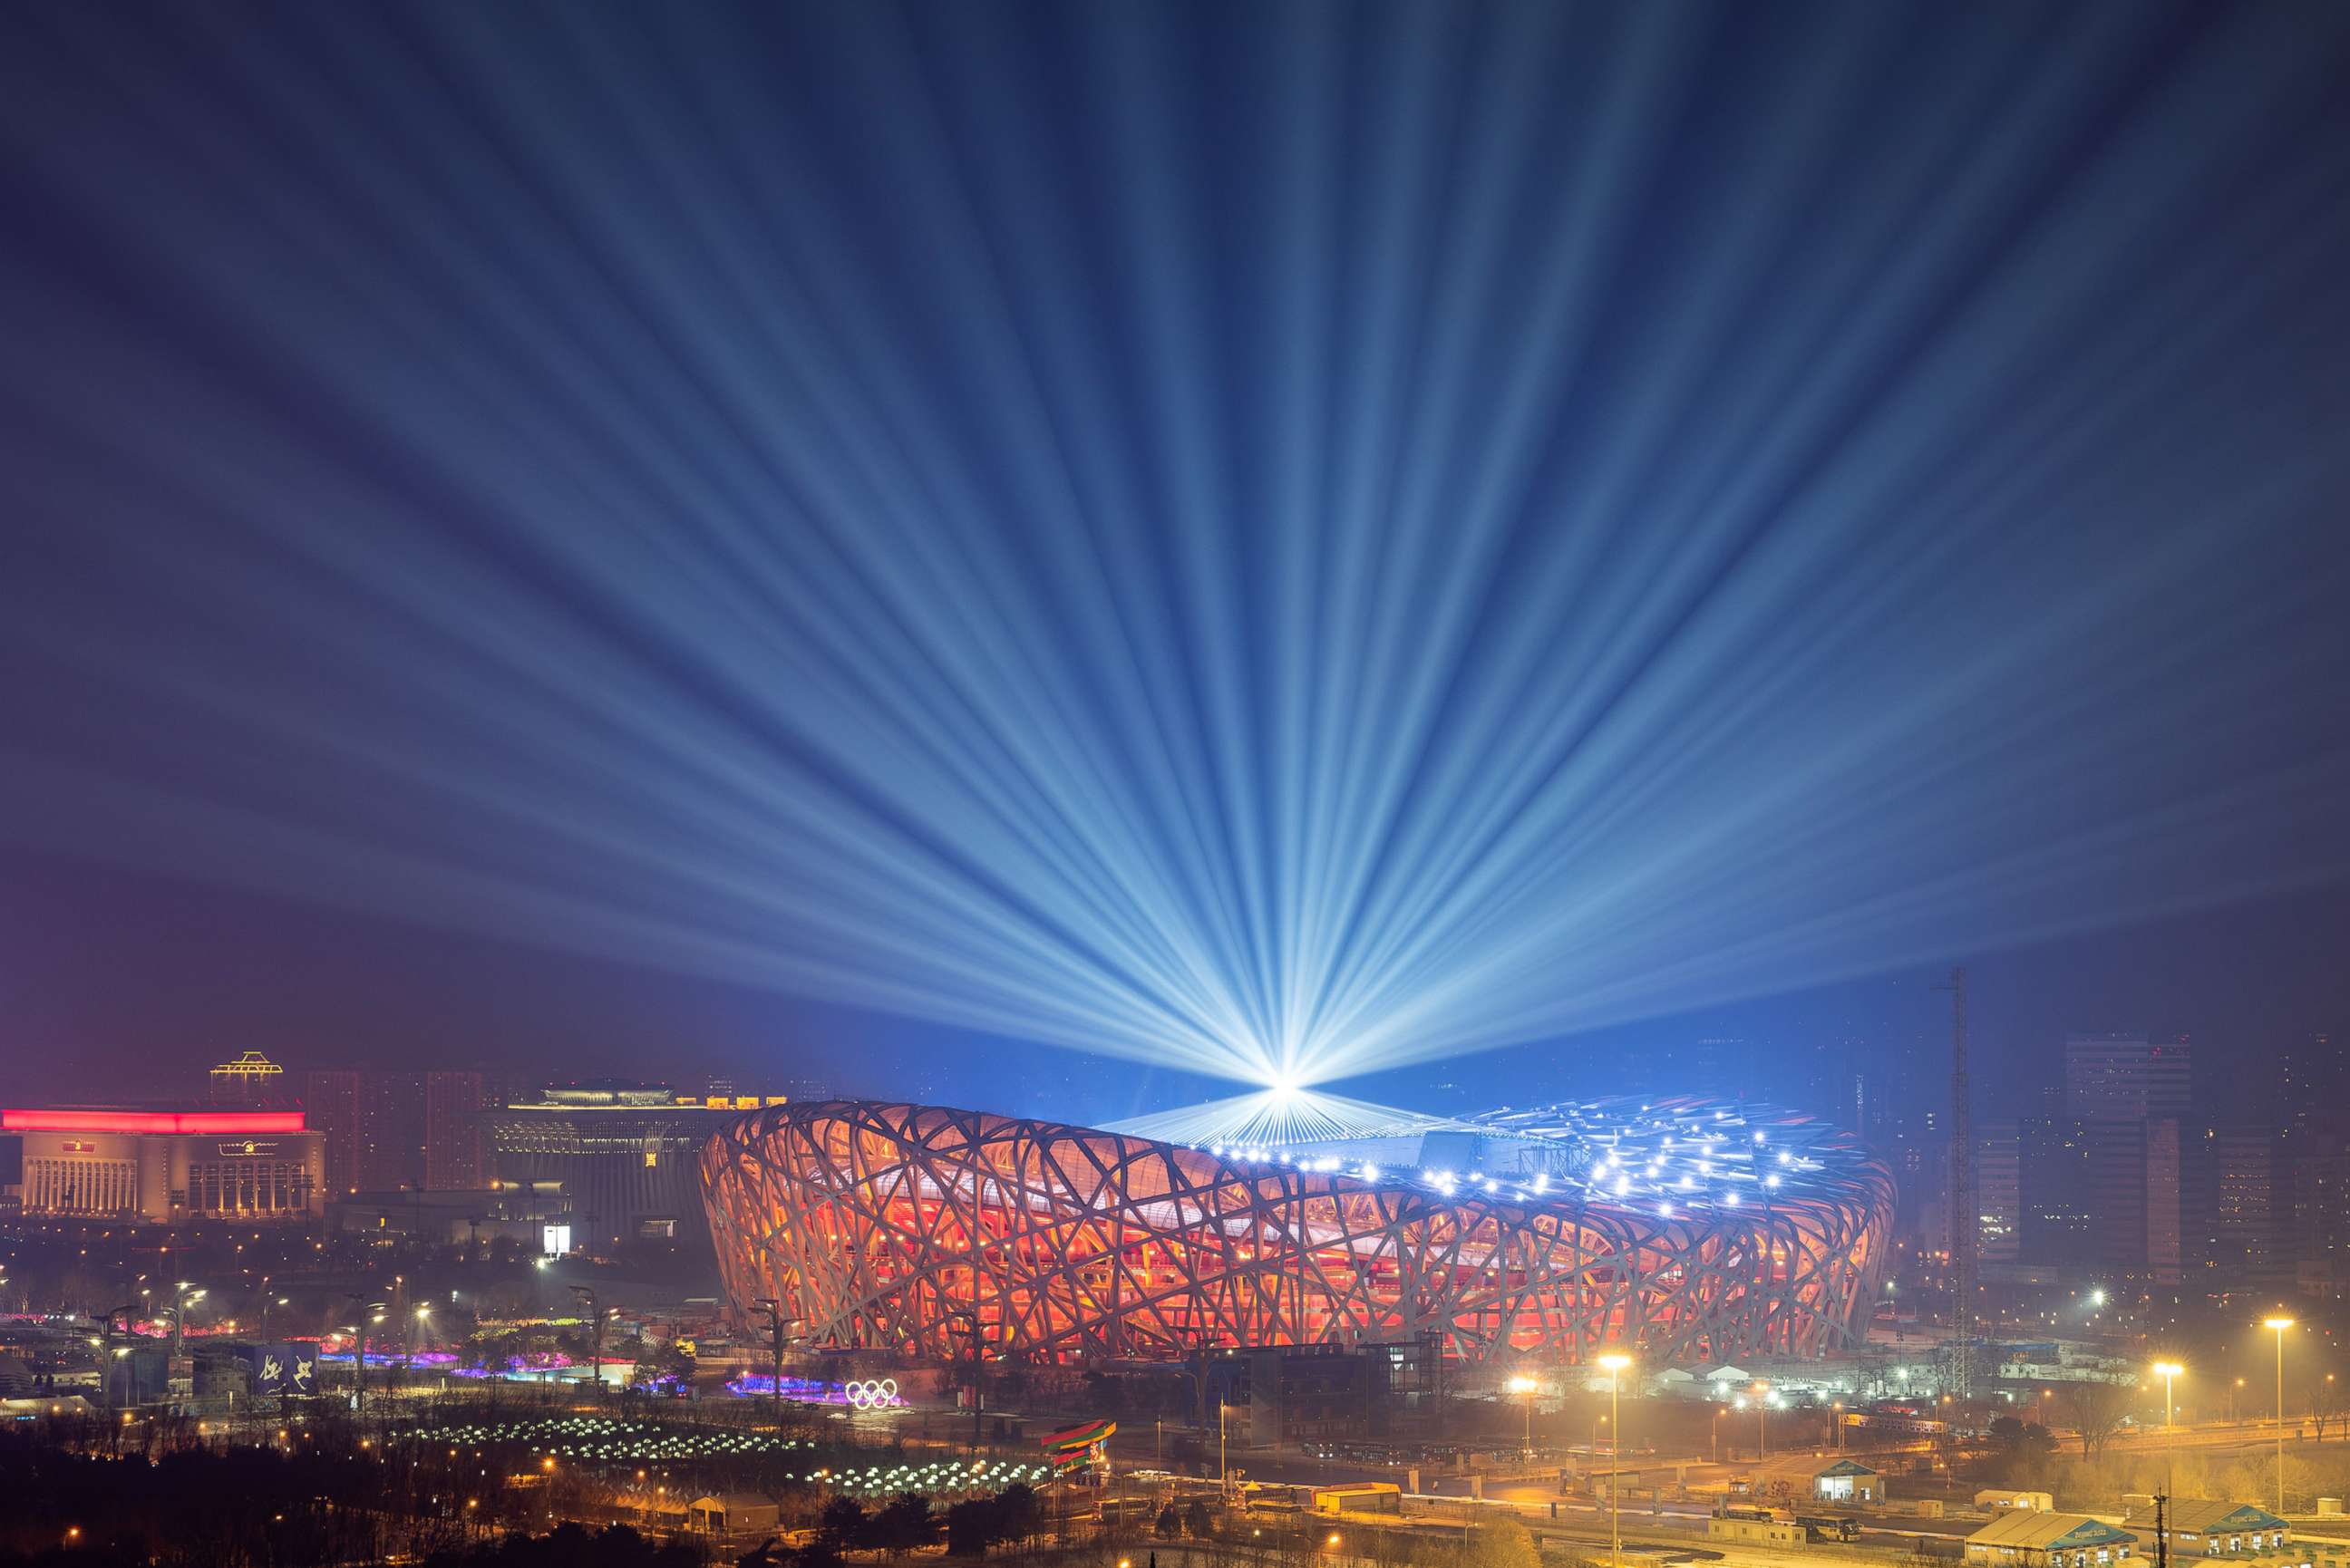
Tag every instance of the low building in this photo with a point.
(1311, 1393)
(1801, 1478)
(732, 1513)
(2028, 1538)
(2000, 1499)
(1848, 1480)
(535, 1214)
(169, 1166)
(2207, 1527)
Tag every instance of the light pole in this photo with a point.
(408, 1332)
(1524, 1386)
(365, 1314)
(182, 1293)
(2280, 1323)
(596, 1317)
(1615, 1364)
(1761, 1420)
(775, 1322)
(1835, 1425)
(2168, 1371)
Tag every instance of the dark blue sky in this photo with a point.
(1404, 545)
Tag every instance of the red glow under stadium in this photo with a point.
(150, 1121)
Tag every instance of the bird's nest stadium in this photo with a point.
(1694, 1231)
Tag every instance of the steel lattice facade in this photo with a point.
(887, 1226)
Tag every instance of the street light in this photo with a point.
(182, 1293)
(1527, 1386)
(1761, 1420)
(1614, 1363)
(2168, 1371)
(2280, 1323)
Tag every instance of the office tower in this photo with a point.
(2057, 1222)
(2127, 1078)
(1999, 1191)
(454, 1104)
(2234, 1209)
(392, 1131)
(2165, 1203)
(330, 1101)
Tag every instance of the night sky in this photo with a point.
(1081, 553)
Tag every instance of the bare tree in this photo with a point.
(2324, 1401)
(2096, 1409)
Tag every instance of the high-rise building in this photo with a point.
(2058, 1220)
(1999, 1191)
(2127, 1078)
(2165, 1197)
(392, 1131)
(330, 1100)
(2234, 1208)
(454, 1105)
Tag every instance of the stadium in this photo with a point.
(1694, 1231)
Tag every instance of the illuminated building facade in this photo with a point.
(625, 1154)
(169, 1168)
(1690, 1230)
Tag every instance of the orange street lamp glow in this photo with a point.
(2280, 1323)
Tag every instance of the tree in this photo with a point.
(1023, 1512)
(2324, 1402)
(1197, 1520)
(1170, 1525)
(2097, 1410)
(973, 1525)
(1504, 1543)
(904, 1524)
(842, 1523)
(2020, 1452)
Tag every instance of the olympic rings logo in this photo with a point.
(873, 1395)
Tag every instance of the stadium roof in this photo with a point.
(1673, 1160)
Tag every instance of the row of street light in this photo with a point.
(2170, 1371)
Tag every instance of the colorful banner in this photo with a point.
(1074, 1447)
